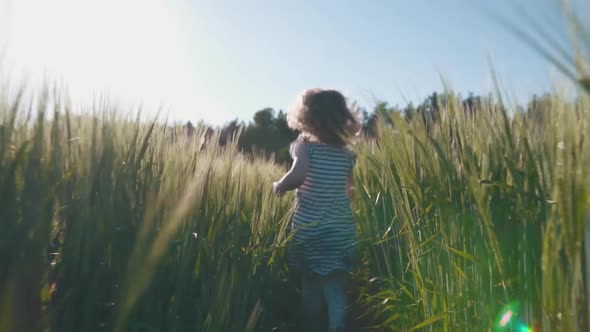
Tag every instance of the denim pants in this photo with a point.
(331, 289)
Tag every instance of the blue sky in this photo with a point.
(219, 60)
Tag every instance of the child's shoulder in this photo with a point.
(304, 143)
(299, 145)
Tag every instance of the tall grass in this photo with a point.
(110, 224)
(475, 212)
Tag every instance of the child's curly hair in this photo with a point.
(325, 115)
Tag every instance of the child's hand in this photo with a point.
(276, 190)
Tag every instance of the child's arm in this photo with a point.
(298, 172)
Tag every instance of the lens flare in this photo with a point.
(505, 318)
(508, 320)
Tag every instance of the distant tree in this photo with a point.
(472, 104)
(189, 129)
(268, 133)
(409, 111)
(264, 118)
(257, 133)
(229, 131)
(284, 136)
(381, 111)
(369, 123)
(430, 109)
(538, 107)
(385, 111)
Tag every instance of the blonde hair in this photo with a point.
(325, 115)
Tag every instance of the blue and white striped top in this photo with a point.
(324, 231)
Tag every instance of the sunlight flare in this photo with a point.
(136, 51)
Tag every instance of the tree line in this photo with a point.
(268, 133)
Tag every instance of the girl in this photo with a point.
(321, 249)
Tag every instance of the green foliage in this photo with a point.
(469, 213)
(463, 210)
(268, 134)
(113, 224)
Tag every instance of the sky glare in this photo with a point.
(220, 60)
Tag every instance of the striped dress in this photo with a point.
(322, 224)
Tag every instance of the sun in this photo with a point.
(135, 50)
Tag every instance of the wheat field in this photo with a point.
(110, 223)
(469, 219)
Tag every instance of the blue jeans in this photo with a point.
(330, 288)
